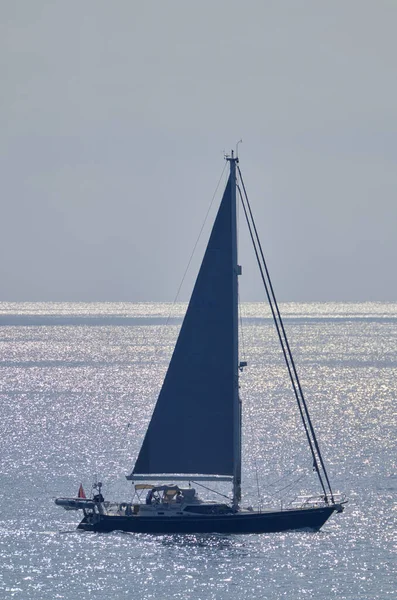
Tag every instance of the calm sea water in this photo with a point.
(77, 386)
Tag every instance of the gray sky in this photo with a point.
(114, 118)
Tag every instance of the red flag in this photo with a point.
(81, 493)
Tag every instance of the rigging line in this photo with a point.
(276, 324)
(293, 383)
(241, 325)
(274, 492)
(286, 342)
(298, 400)
(250, 421)
(195, 245)
(282, 325)
(291, 484)
(240, 309)
(211, 490)
(164, 328)
(283, 477)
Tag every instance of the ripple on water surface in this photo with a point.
(75, 401)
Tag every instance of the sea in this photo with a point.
(78, 383)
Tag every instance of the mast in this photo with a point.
(236, 398)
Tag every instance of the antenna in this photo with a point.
(239, 142)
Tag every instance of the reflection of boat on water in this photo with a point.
(195, 430)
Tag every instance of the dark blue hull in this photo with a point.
(240, 523)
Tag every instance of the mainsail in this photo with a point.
(193, 427)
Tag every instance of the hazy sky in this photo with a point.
(114, 118)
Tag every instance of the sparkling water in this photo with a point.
(78, 385)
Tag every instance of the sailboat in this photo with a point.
(195, 431)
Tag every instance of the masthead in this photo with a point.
(231, 158)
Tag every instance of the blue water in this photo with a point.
(77, 387)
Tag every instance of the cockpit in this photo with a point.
(168, 494)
